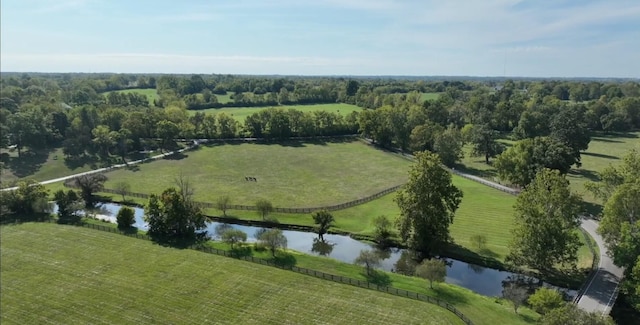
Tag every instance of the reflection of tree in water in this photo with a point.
(477, 269)
(321, 247)
(523, 281)
(382, 253)
(406, 264)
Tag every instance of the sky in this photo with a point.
(523, 38)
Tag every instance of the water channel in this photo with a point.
(485, 281)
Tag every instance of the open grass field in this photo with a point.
(604, 149)
(38, 164)
(429, 96)
(240, 113)
(152, 94)
(223, 99)
(68, 275)
(294, 174)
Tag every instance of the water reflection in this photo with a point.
(485, 281)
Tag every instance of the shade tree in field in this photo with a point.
(90, 184)
(222, 203)
(273, 239)
(545, 299)
(427, 203)
(369, 259)
(483, 139)
(547, 216)
(125, 217)
(70, 206)
(516, 294)
(612, 177)
(323, 220)
(173, 220)
(264, 207)
(234, 237)
(448, 145)
(122, 188)
(433, 270)
(383, 228)
(520, 163)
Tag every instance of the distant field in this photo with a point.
(67, 275)
(429, 96)
(240, 113)
(40, 165)
(603, 150)
(151, 94)
(223, 99)
(294, 174)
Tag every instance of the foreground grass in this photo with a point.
(63, 274)
(240, 113)
(293, 174)
(151, 94)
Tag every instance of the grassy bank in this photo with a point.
(63, 274)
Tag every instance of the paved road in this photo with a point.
(602, 290)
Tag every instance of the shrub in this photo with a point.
(126, 217)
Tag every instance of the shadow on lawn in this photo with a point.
(490, 173)
(599, 155)
(378, 278)
(588, 174)
(28, 164)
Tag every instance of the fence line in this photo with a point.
(301, 270)
(210, 205)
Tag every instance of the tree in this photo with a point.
(520, 163)
(89, 184)
(427, 205)
(28, 198)
(571, 314)
(324, 220)
(102, 138)
(547, 217)
(620, 225)
(174, 221)
(479, 240)
(483, 138)
(264, 207)
(448, 145)
(545, 300)
(126, 217)
(221, 228)
(274, 239)
(516, 294)
(369, 259)
(222, 203)
(382, 230)
(122, 188)
(612, 177)
(167, 131)
(631, 285)
(432, 270)
(70, 206)
(569, 127)
(234, 236)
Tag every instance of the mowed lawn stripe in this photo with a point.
(68, 275)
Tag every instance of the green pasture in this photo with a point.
(151, 93)
(429, 96)
(69, 275)
(291, 174)
(240, 113)
(40, 165)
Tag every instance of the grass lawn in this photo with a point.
(151, 93)
(63, 275)
(226, 98)
(240, 113)
(429, 96)
(294, 174)
(39, 164)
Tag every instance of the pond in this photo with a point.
(485, 281)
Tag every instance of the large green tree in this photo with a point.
(427, 203)
(448, 145)
(483, 139)
(547, 217)
(174, 220)
(520, 163)
(30, 197)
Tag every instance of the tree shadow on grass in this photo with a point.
(176, 156)
(454, 297)
(599, 155)
(490, 173)
(486, 258)
(28, 164)
(10, 218)
(378, 278)
(591, 209)
(588, 174)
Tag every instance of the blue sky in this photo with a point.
(543, 38)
